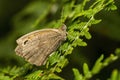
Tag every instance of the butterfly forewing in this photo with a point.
(36, 46)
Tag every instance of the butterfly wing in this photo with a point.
(36, 47)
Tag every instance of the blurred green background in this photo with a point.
(20, 17)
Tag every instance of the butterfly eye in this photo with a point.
(25, 42)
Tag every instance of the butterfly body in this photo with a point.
(36, 46)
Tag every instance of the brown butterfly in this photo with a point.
(36, 46)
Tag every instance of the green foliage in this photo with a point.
(78, 17)
(99, 64)
(117, 52)
(115, 75)
(78, 76)
(8, 73)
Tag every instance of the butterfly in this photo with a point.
(36, 46)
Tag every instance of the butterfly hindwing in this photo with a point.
(36, 50)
